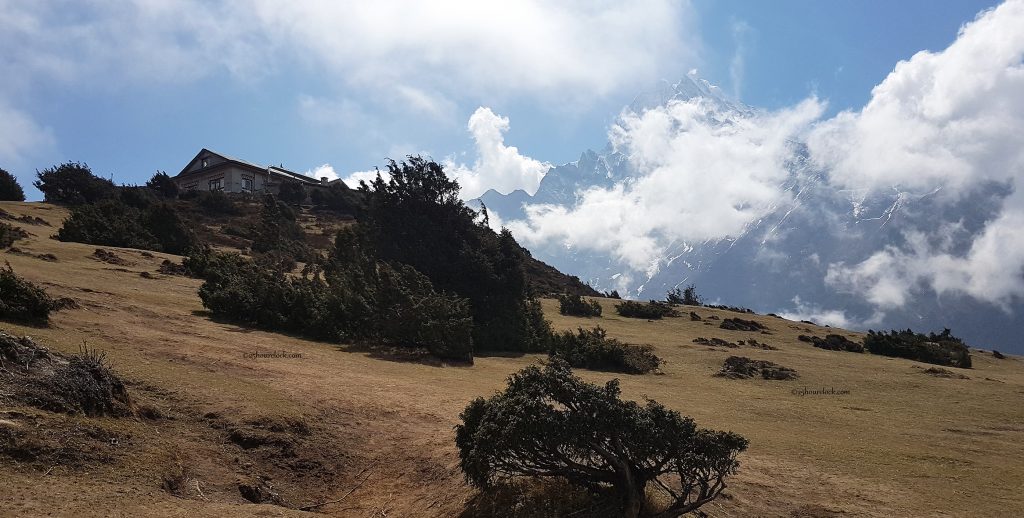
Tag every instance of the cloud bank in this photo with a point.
(419, 54)
(953, 121)
(950, 121)
(697, 177)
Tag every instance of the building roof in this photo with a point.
(228, 160)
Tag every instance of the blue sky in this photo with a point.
(133, 87)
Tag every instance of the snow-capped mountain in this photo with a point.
(785, 260)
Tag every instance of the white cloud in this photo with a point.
(497, 165)
(696, 177)
(353, 179)
(484, 46)
(950, 120)
(946, 118)
(323, 171)
(992, 270)
(341, 112)
(828, 317)
(21, 136)
(109, 44)
(428, 103)
(421, 54)
(741, 34)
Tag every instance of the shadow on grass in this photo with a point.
(401, 355)
(34, 324)
(235, 327)
(375, 351)
(539, 498)
(503, 354)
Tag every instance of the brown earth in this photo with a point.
(372, 432)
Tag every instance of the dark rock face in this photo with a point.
(741, 367)
(833, 343)
(939, 349)
(260, 491)
(714, 342)
(759, 345)
(939, 372)
(738, 324)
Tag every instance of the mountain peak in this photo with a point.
(691, 86)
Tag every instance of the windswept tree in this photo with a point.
(687, 296)
(10, 189)
(162, 184)
(417, 218)
(550, 423)
(72, 183)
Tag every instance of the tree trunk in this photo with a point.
(632, 491)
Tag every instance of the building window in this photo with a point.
(206, 162)
(246, 184)
(217, 185)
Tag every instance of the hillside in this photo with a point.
(371, 431)
(233, 229)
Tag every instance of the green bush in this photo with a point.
(216, 203)
(592, 349)
(938, 349)
(411, 313)
(72, 183)
(734, 309)
(550, 423)
(109, 222)
(203, 262)
(337, 197)
(578, 306)
(246, 293)
(357, 298)
(23, 301)
(138, 197)
(652, 310)
(10, 189)
(279, 235)
(114, 223)
(292, 193)
(170, 232)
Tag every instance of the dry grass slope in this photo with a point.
(372, 434)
